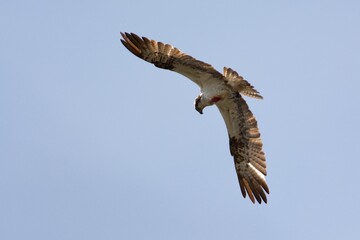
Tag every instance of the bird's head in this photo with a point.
(198, 105)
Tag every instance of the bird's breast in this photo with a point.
(215, 91)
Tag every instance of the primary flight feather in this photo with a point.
(225, 91)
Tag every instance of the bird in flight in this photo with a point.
(225, 91)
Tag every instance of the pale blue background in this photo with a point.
(97, 144)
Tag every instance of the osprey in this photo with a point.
(225, 91)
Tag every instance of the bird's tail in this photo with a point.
(240, 84)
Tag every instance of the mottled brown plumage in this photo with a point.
(225, 92)
(240, 84)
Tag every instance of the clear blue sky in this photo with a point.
(97, 144)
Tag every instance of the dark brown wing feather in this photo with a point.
(168, 57)
(245, 147)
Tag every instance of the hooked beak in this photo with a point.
(199, 110)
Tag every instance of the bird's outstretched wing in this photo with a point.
(238, 83)
(245, 147)
(168, 57)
